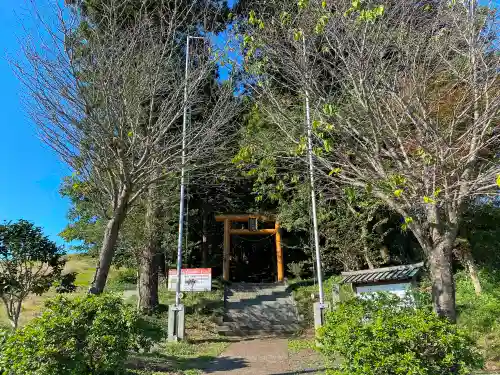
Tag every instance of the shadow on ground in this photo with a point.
(310, 371)
(161, 362)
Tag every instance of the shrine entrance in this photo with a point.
(235, 225)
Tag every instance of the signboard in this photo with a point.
(192, 280)
(399, 289)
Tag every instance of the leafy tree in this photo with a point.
(29, 264)
(350, 221)
(404, 106)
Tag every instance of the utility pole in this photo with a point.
(176, 312)
(318, 308)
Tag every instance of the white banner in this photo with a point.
(192, 280)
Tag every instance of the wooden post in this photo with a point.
(279, 254)
(227, 249)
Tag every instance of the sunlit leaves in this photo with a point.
(297, 35)
(285, 18)
(437, 192)
(329, 110)
(335, 171)
(407, 222)
(365, 14)
(397, 180)
(429, 200)
(321, 24)
(302, 4)
(498, 180)
(398, 193)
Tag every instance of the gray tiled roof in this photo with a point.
(382, 274)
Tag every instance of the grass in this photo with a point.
(187, 357)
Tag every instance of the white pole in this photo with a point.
(311, 182)
(183, 185)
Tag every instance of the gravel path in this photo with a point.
(265, 357)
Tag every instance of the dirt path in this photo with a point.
(264, 357)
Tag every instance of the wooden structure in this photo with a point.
(396, 280)
(228, 231)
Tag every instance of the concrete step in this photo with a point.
(260, 313)
(259, 304)
(257, 330)
(256, 287)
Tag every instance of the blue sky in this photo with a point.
(30, 172)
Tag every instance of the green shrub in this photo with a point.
(297, 269)
(124, 279)
(81, 336)
(387, 335)
(67, 283)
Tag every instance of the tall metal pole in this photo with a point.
(183, 176)
(183, 183)
(311, 182)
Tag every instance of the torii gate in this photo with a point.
(228, 231)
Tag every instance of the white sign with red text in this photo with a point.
(192, 280)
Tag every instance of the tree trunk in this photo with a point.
(149, 258)
(443, 284)
(108, 244)
(366, 249)
(204, 240)
(17, 314)
(470, 265)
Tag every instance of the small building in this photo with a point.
(397, 279)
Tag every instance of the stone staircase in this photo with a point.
(259, 309)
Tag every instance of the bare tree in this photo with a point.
(108, 97)
(405, 100)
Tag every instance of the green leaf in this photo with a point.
(285, 18)
(303, 3)
(251, 18)
(329, 109)
(406, 224)
(323, 4)
(335, 171)
(498, 180)
(437, 192)
(429, 200)
(297, 35)
(398, 193)
(130, 134)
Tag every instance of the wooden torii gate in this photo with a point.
(228, 231)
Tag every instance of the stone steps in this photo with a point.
(259, 309)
